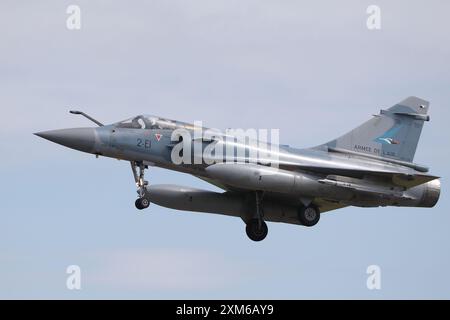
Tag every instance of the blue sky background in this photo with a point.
(310, 68)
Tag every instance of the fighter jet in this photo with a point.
(371, 166)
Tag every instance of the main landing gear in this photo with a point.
(142, 202)
(309, 215)
(256, 228)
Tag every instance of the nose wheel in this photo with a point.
(142, 202)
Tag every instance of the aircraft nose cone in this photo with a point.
(82, 139)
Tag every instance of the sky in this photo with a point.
(309, 68)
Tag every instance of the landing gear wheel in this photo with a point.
(256, 230)
(142, 203)
(309, 215)
(138, 204)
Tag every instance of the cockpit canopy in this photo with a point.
(152, 122)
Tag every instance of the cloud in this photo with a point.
(163, 269)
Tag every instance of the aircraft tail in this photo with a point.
(394, 133)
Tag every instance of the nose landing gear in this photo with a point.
(142, 202)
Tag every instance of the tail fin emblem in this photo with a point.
(388, 137)
(388, 141)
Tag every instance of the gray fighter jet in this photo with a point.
(370, 166)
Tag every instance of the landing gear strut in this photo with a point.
(256, 228)
(142, 202)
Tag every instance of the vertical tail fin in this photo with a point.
(394, 133)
